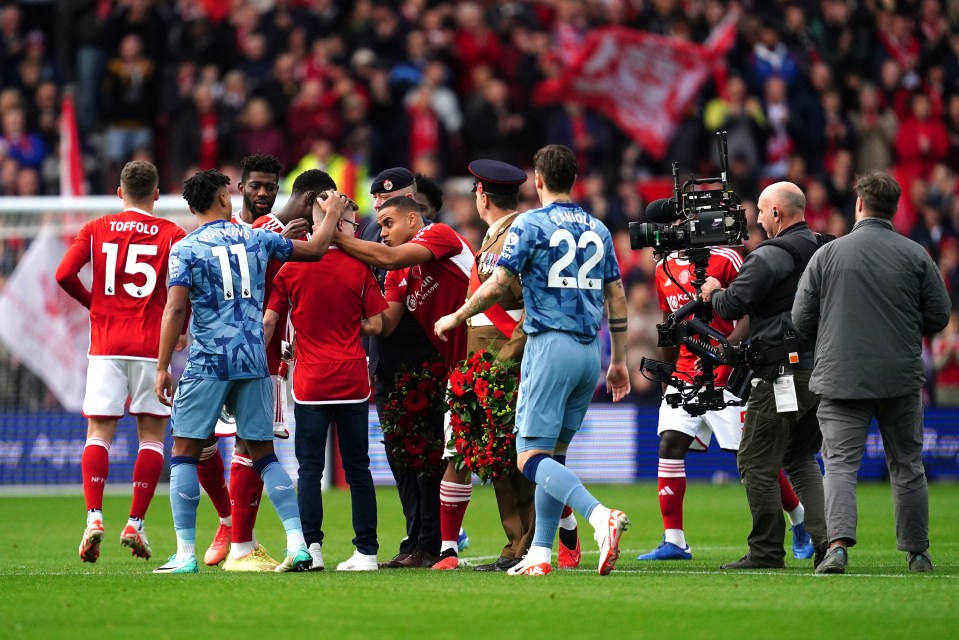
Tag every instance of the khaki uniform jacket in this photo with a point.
(483, 337)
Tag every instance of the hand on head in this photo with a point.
(334, 202)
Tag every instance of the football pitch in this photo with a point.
(46, 592)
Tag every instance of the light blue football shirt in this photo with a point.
(224, 266)
(564, 258)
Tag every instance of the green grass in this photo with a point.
(46, 592)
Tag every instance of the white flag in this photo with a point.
(42, 326)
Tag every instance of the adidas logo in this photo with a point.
(666, 491)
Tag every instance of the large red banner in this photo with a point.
(641, 81)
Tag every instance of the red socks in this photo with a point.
(672, 490)
(146, 475)
(454, 498)
(786, 493)
(246, 487)
(210, 471)
(95, 465)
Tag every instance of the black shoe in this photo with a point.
(502, 564)
(820, 555)
(920, 562)
(394, 563)
(748, 563)
(835, 561)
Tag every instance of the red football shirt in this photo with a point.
(724, 265)
(326, 301)
(130, 253)
(436, 288)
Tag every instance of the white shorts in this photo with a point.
(449, 450)
(227, 428)
(726, 425)
(110, 381)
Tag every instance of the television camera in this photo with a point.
(691, 222)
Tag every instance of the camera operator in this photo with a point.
(781, 429)
(679, 432)
(869, 298)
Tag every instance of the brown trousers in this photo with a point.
(514, 497)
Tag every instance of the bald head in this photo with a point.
(780, 205)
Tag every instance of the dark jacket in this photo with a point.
(762, 271)
(867, 299)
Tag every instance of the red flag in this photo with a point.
(642, 81)
(71, 166)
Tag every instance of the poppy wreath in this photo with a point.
(407, 432)
(482, 403)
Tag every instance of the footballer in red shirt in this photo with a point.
(128, 252)
(428, 266)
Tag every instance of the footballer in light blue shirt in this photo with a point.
(569, 273)
(219, 270)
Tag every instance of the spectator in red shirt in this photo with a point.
(921, 142)
(257, 132)
(945, 360)
(331, 383)
(475, 43)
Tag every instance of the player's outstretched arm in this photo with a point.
(381, 256)
(178, 298)
(489, 293)
(617, 377)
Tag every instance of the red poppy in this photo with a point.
(482, 389)
(416, 401)
(415, 444)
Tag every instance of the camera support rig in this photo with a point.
(689, 326)
(704, 219)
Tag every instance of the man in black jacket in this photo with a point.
(781, 429)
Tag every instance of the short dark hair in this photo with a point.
(431, 189)
(402, 204)
(201, 188)
(558, 166)
(880, 194)
(139, 180)
(260, 162)
(315, 180)
(503, 201)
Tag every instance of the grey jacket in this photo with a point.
(762, 271)
(867, 299)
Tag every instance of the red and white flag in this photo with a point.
(641, 81)
(43, 327)
(71, 164)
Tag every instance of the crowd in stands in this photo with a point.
(814, 93)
